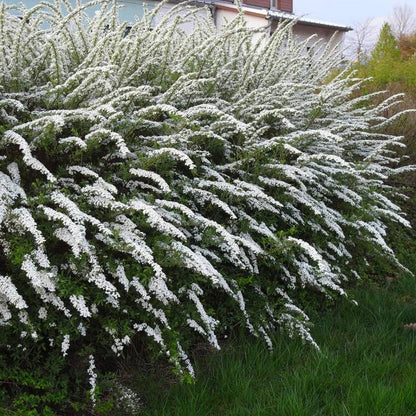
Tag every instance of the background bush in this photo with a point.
(391, 67)
(159, 188)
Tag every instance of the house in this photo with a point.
(259, 14)
(268, 14)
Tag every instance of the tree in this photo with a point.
(385, 58)
(361, 39)
(407, 45)
(403, 21)
(404, 28)
(386, 47)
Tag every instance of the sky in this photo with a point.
(366, 16)
(349, 12)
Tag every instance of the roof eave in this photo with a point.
(307, 22)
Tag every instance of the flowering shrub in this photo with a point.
(174, 185)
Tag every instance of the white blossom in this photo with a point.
(42, 313)
(78, 302)
(92, 379)
(174, 154)
(9, 295)
(160, 182)
(11, 137)
(65, 345)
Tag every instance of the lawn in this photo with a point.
(366, 366)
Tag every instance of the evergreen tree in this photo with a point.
(384, 63)
(386, 47)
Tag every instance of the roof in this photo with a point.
(276, 14)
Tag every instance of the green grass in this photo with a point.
(366, 366)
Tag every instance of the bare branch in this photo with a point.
(361, 39)
(403, 21)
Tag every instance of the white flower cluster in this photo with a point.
(92, 379)
(12, 138)
(161, 183)
(65, 345)
(78, 302)
(128, 399)
(175, 154)
(9, 296)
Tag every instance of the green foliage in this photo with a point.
(386, 63)
(391, 67)
(41, 389)
(386, 47)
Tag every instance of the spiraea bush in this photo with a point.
(165, 186)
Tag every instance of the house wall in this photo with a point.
(253, 19)
(257, 3)
(189, 25)
(303, 31)
(285, 5)
(256, 18)
(129, 11)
